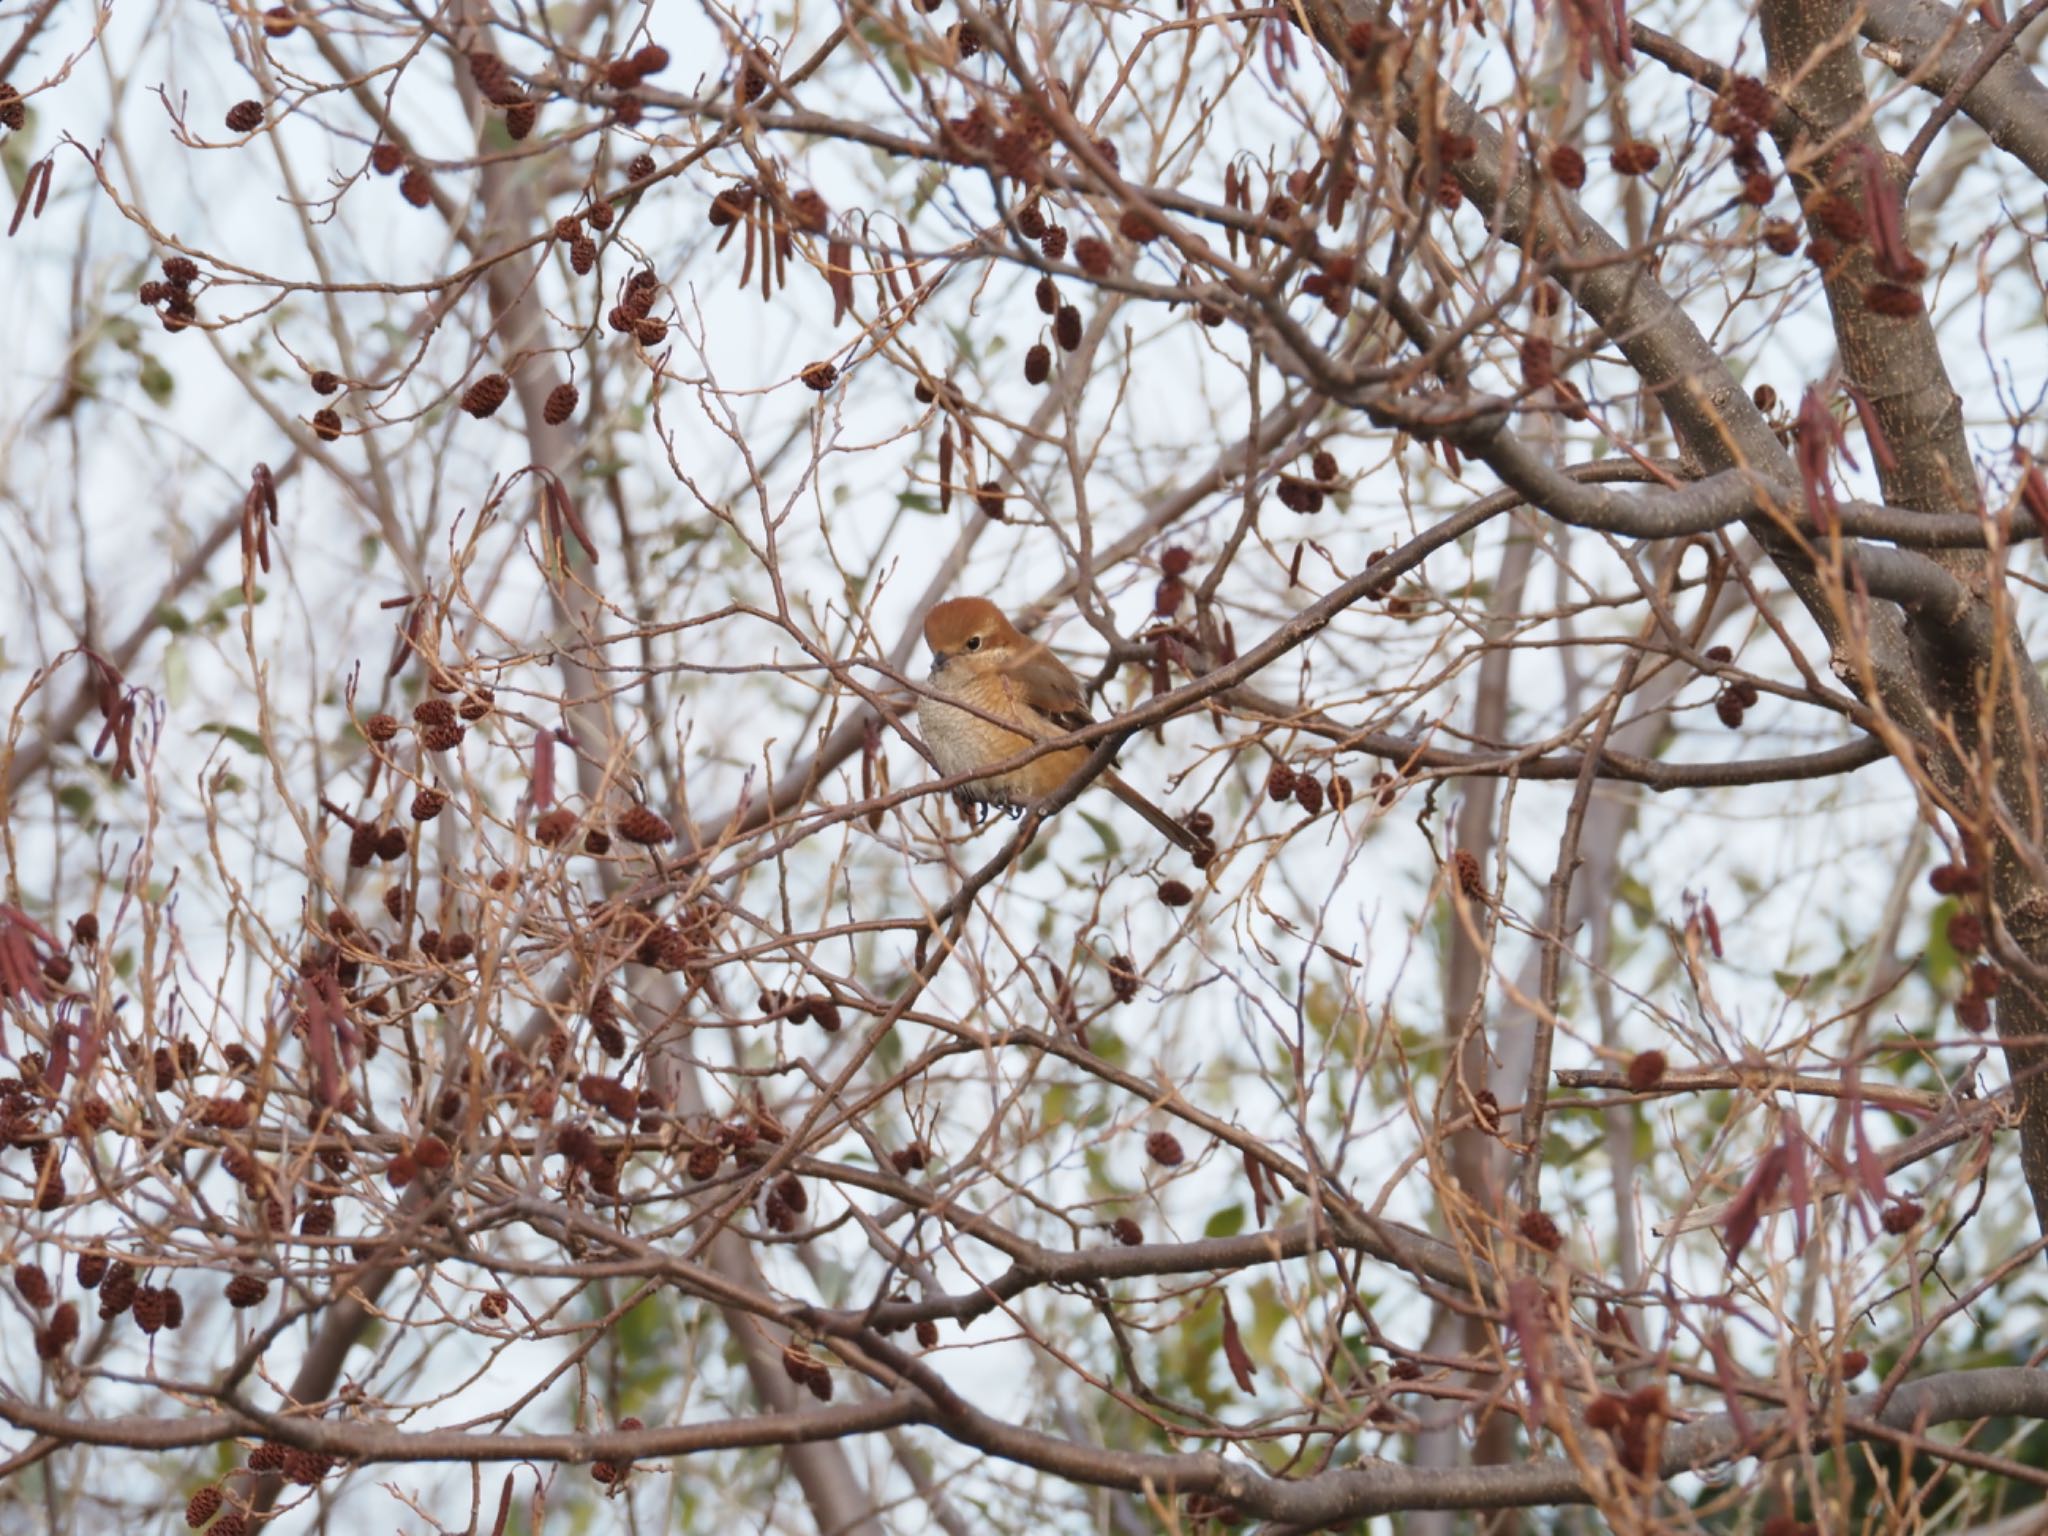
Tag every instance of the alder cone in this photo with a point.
(819, 376)
(152, 1309)
(1567, 167)
(427, 804)
(13, 111)
(1038, 364)
(1164, 1148)
(643, 825)
(494, 81)
(202, 1506)
(582, 254)
(520, 119)
(1635, 158)
(1066, 328)
(62, 1331)
(362, 845)
(561, 404)
(553, 828)
(324, 381)
(267, 1457)
(117, 1290)
(306, 1467)
(327, 424)
(484, 397)
(385, 159)
(1138, 226)
(33, 1285)
(245, 117)
(244, 1291)
(416, 187)
(1538, 1228)
(1127, 1231)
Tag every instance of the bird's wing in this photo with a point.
(1046, 687)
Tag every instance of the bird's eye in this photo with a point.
(974, 642)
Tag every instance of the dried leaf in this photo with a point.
(1255, 1175)
(37, 185)
(1746, 1210)
(1234, 1352)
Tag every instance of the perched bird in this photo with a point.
(980, 659)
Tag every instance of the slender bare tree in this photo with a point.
(508, 1024)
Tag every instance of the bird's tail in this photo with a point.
(1166, 826)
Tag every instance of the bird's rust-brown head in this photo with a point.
(964, 626)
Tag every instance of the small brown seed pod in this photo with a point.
(643, 825)
(484, 397)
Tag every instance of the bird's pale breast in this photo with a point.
(962, 742)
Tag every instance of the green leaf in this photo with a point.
(248, 741)
(1227, 1222)
(917, 501)
(77, 799)
(177, 676)
(224, 602)
(1112, 845)
(156, 380)
(1940, 960)
(172, 619)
